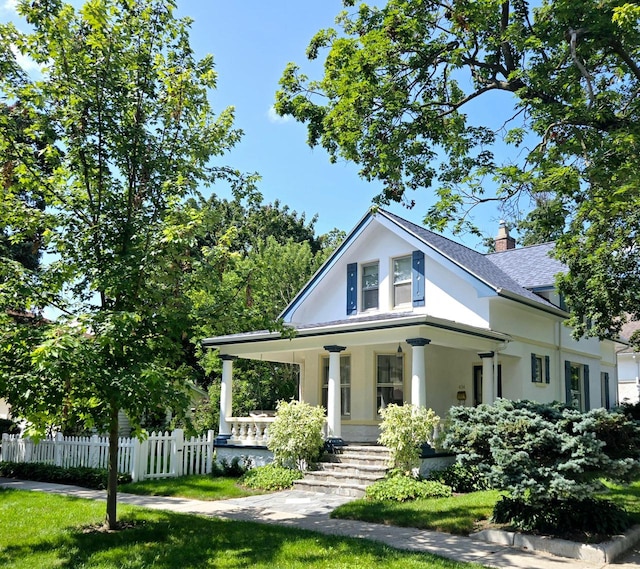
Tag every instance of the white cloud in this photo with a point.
(275, 117)
(25, 62)
(9, 6)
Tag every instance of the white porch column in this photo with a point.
(226, 400)
(418, 371)
(488, 392)
(334, 411)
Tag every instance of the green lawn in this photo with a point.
(49, 531)
(458, 514)
(627, 497)
(193, 487)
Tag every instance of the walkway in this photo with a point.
(308, 510)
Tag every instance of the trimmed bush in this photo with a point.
(402, 488)
(592, 516)
(270, 477)
(237, 467)
(295, 436)
(95, 478)
(461, 478)
(403, 430)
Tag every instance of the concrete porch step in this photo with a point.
(351, 468)
(347, 472)
(351, 490)
(338, 478)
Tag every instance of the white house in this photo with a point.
(400, 314)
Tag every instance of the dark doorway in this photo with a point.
(477, 384)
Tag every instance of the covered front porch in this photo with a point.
(354, 368)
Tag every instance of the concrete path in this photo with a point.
(310, 510)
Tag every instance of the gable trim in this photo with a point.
(326, 266)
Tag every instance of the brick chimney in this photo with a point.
(504, 241)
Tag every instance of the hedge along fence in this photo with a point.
(160, 455)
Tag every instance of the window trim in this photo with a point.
(540, 369)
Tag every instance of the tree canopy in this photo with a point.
(401, 93)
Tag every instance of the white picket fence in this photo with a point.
(160, 455)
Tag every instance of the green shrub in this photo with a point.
(295, 436)
(403, 430)
(591, 516)
(401, 488)
(270, 477)
(544, 454)
(95, 478)
(9, 427)
(237, 467)
(631, 410)
(461, 478)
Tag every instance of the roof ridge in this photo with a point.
(439, 235)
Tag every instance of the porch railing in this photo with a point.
(250, 431)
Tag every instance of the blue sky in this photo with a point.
(252, 41)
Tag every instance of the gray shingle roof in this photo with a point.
(531, 267)
(500, 273)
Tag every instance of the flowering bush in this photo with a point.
(295, 436)
(403, 430)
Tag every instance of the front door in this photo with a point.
(477, 384)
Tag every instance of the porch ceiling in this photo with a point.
(381, 332)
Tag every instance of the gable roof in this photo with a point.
(480, 266)
(530, 267)
(503, 277)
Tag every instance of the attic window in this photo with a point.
(370, 282)
(402, 281)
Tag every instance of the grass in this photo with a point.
(461, 514)
(50, 531)
(628, 497)
(193, 487)
(457, 515)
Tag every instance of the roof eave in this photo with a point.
(550, 309)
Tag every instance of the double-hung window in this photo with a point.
(389, 380)
(370, 284)
(402, 281)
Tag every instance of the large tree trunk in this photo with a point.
(112, 480)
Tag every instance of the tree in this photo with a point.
(121, 107)
(402, 83)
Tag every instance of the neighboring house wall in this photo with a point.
(629, 376)
(5, 410)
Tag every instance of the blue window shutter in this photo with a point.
(534, 365)
(417, 275)
(585, 377)
(547, 369)
(607, 397)
(352, 288)
(567, 381)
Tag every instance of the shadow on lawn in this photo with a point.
(165, 540)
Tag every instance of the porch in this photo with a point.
(355, 367)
